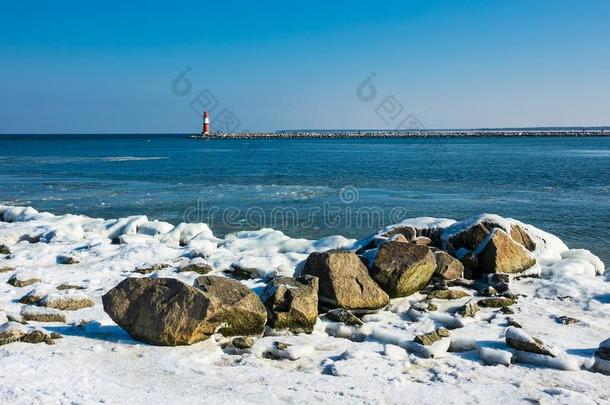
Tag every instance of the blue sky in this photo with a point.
(109, 66)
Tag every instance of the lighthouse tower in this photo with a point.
(206, 124)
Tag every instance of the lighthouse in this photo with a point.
(206, 124)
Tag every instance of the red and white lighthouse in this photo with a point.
(206, 123)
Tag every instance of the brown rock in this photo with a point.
(70, 302)
(200, 268)
(501, 254)
(427, 339)
(496, 302)
(31, 298)
(4, 250)
(161, 311)
(242, 342)
(11, 332)
(63, 287)
(472, 237)
(147, 269)
(469, 309)
(399, 238)
(447, 266)
(17, 281)
(344, 316)
(518, 339)
(6, 269)
(408, 232)
(38, 336)
(233, 305)
(402, 269)
(519, 235)
(450, 294)
(423, 240)
(292, 303)
(32, 313)
(344, 281)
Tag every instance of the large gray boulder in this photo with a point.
(344, 281)
(501, 254)
(402, 269)
(292, 303)
(167, 312)
(161, 311)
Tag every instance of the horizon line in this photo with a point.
(483, 129)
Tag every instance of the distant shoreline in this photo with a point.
(509, 133)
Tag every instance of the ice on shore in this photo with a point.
(376, 362)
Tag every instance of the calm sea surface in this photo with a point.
(313, 188)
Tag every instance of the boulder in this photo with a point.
(496, 302)
(35, 295)
(33, 313)
(468, 234)
(449, 294)
(399, 238)
(488, 291)
(161, 311)
(242, 342)
(4, 250)
(408, 232)
(513, 322)
(603, 350)
(167, 312)
(469, 309)
(428, 339)
(233, 305)
(566, 320)
(66, 259)
(423, 240)
(501, 254)
(38, 336)
(63, 287)
(518, 339)
(402, 269)
(67, 302)
(17, 280)
(447, 266)
(196, 267)
(11, 332)
(292, 303)
(150, 268)
(344, 281)
(519, 235)
(344, 316)
(471, 264)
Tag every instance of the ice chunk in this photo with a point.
(494, 357)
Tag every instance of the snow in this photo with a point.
(548, 246)
(459, 227)
(378, 362)
(562, 362)
(493, 357)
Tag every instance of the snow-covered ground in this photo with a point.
(96, 361)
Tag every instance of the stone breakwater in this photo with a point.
(407, 134)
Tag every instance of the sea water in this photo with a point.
(316, 187)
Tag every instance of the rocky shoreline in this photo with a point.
(431, 288)
(408, 134)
